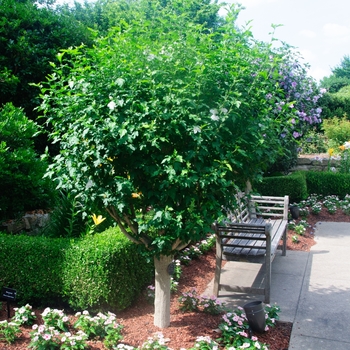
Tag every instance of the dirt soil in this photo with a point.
(185, 327)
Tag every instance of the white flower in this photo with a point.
(196, 129)
(151, 57)
(111, 105)
(214, 115)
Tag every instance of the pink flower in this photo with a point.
(47, 336)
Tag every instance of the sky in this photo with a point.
(318, 29)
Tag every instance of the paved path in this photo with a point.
(312, 289)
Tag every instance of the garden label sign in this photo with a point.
(9, 294)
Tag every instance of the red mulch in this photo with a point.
(185, 327)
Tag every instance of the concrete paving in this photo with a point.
(311, 288)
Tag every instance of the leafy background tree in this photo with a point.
(30, 37)
(22, 186)
(336, 103)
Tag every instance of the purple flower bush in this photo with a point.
(295, 103)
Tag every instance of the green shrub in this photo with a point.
(337, 130)
(32, 266)
(66, 218)
(292, 185)
(104, 269)
(335, 104)
(314, 142)
(285, 161)
(22, 186)
(95, 272)
(327, 183)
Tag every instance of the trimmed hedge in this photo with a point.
(105, 269)
(293, 185)
(302, 183)
(97, 271)
(33, 266)
(328, 183)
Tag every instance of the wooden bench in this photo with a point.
(252, 233)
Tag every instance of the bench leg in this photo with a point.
(284, 247)
(268, 282)
(217, 267)
(268, 270)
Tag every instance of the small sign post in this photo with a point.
(8, 294)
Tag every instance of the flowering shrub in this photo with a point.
(331, 203)
(235, 328)
(206, 244)
(304, 212)
(295, 239)
(272, 314)
(303, 223)
(157, 342)
(74, 341)
(345, 204)
(299, 229)
(291, 225)
(102, 326)
(44, 337)
(298, 104)
(9, 331)
(205, 343)
(194, 251)
(150, 293)
(316, 208)
(246, 343)
(176, 275)
(24, 315)
(315, 203)
(234, 324)
(211, 305)
(189, 301)
(55, 318)
(121, 346)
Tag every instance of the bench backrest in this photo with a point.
(269, 207)
(251, 207)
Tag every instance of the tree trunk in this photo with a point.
(162, 291)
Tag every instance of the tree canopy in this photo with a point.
(336, 103)
(339, 78)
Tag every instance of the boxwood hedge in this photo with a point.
(103, 270)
